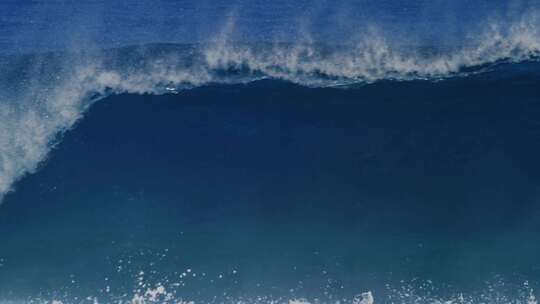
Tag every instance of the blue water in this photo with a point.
(308, 152)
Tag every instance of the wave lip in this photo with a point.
(42, 97)
(374, 58)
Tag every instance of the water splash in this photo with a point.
(159, 294)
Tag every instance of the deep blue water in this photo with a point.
(252, 152)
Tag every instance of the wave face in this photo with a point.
(418, 191)
(270, 192)
(380, 168)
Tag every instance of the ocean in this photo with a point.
(303, 152)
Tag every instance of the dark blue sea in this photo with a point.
(269, 152)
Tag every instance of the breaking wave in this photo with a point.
(44, 95)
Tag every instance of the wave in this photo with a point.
(44, 95)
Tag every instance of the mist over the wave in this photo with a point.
(32, 26)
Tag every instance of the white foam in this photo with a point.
(414, 291)
(161, 296)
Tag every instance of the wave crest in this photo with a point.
(373, 58)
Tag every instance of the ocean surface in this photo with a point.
(298, 152)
